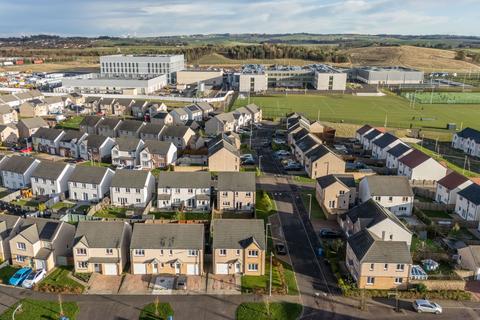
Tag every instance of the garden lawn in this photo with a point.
(181, 215)
(274, 311)
(437, 214)
(72, 123)
(149, 312)
(303, 179)
(317, 212)
(40, 309)
(59, 281)
(96, 164)
(429, 244)
(6, 273)
(61, 205)
(372, 110)
(83, 209)
(111, 212)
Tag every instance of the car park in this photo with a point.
(426, 306)
(34, 278)
(20, 276)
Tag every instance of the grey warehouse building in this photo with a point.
(387, 75)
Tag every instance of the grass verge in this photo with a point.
(40, 309)
(156, 311)
(270, 311)
(59, 282)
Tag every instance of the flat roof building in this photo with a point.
(142, 65)
(387, 75)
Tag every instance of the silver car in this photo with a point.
(427, 307)
(34, 278)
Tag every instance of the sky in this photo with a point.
(168, 17)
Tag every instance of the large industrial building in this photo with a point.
(213, 77)
(387, 75)
(142, 65)
(257, 78)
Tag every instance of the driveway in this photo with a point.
(102, 284)
(135, 284)
(474, 287)
(223, 284)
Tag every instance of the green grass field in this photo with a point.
(444, 97)
(39, 309)
(372, 110)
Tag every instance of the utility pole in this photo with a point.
(309, 206)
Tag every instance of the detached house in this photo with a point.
(167, 249)
(223, 155)
(224, 122)
(194, 112)
(102, 247)
(121, 107)
(9, 227)
(416, 165)
(378, 264)
(370, 137)
(109, 127)
(17, 171)
(184, 190)
(138, 109)
(27, 127)
(238, 246)
(321, 161)
(448, 187)
(180, 136)
(47, 140)
(377, 219)
(89, 183)
(255, 111)
(42, 243)
(7, 114)
(335, 192)
(304, 145)
(69, 145)
(132, 188)
(396, 153)
(130, 128)
(8, 134)
(54, 104)
(157, 154)
(126, 151)
(179, 116)
(162, 118)
(468, 203)
(206, 109)
(392, 192)
(381, 145)
(50, 178)
(151, 131)
(236, 191)
(467, 140)
(97, 148)
(105, 106)
(90, 124)
(33, 108)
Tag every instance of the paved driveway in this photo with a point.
(135, 284)
(102, 284)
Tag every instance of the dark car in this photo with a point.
(328, 233)
(281, 249)
(293, 167)
(248, 162)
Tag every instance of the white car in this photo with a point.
(279, 141)
(427, 306)
(282, 153)
(34, 278)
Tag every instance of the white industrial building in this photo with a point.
(387, 75)
(142, 65)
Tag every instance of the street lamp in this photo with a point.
(260, 163)
(18, 308)
(266, 235)
(271, 263)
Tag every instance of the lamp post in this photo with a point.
(260, 163)
(271, 263)
(309, 206)
(18, 308)
(266, 236)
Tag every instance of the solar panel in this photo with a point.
(48, 230)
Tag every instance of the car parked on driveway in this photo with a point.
(20, 276)
(426, 306)
(34, 278)
(329, 233)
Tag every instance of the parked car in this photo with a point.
(329, 233)
(182, 283)
(426, 306)
(19, 276)
(34, 278)
(281, 249)
(293, 166)
(248, 161)
(279, 141)
(282, 153)
(246, 156)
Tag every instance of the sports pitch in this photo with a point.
(373, 110)
(444, 97)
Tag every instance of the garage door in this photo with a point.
(110, 269)
(192, 269)
(139, 268)
(222, 268)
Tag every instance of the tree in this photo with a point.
(460, 55)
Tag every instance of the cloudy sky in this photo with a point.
(168, 17)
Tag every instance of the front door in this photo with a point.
(155, 268)
(97, 267)
(177, 268)
(238, 267)
(40, 264)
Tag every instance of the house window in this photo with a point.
(398, 280)
(161, 252)
(82, 264)
(137, 190)
(109, 251)
(224, 194)
(400, 267)
(21, 246)
(238, 252)
(139, 252)
(138, 200)
(223, 252)
(81, 252)
(378, 198)
(248, 194)
(253, 253)
(117, 189)
(385, 266)
(190, 191)
(405, 199)
(342, 192)
(192, 253)
(372, 266)
(253, 267)
(170, 252)
(127, 190)
(20, 258)
(370, 280)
